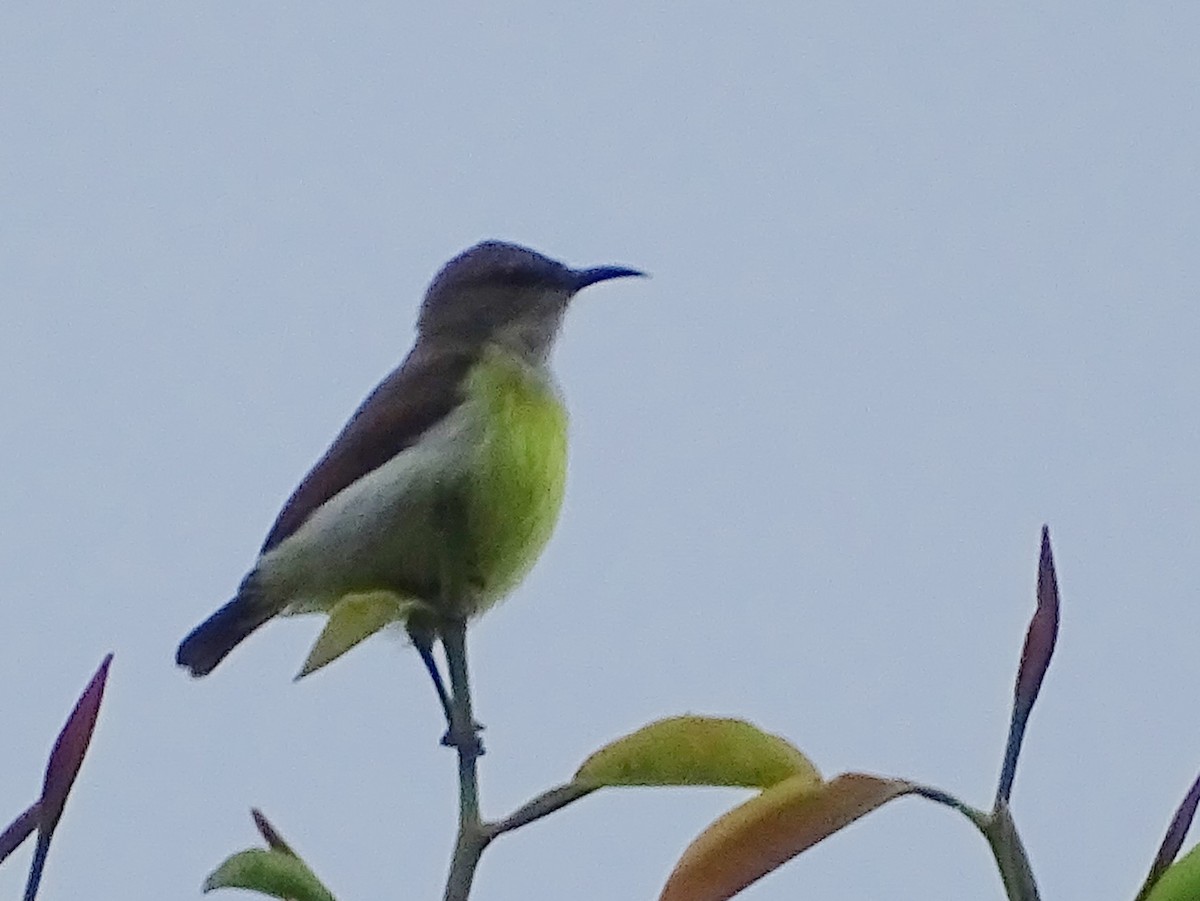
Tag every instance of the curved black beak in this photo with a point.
(585, 277)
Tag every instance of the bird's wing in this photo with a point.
(414, 397)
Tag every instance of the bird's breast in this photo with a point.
(474, 500)
(516, 483)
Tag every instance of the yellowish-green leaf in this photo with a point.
(354, 619)
(770, 829)
(269, 872)
(1180, 881)
(697, 750)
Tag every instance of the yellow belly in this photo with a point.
(482, 535)
(516, 483)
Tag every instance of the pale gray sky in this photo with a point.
(925, 277)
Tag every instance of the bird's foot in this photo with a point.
(470, 743)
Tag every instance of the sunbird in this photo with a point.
(445, 485)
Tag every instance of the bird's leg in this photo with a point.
(464, 731)
(455, 564)
(423, 635)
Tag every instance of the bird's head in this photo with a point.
(507, 294)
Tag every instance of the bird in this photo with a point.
(444, 486)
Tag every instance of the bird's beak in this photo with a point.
(585, 277)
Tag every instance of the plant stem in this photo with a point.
(1012, 751)
(463, 735)
(541, 806)
(978, 817)
(467, 852)
(1011, 859)
(1000, 832)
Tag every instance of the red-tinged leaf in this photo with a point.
(1043, 630)
(1173, 840)
(270, 834)
(65, 759)
(1035, 660)
(69, 749)
(770, 829)
(697, 750)
(18, 830)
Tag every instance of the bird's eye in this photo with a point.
(520, 277)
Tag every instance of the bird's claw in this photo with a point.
(470, 743)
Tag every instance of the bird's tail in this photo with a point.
(210, 642)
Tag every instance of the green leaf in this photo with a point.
(354, 619)
(697, 750)
(268, 872)
(1180, 881)
(770, 829)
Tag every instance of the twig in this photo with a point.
(472, 837)
(543, 805)
(1000, 832)
(1005, 842)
